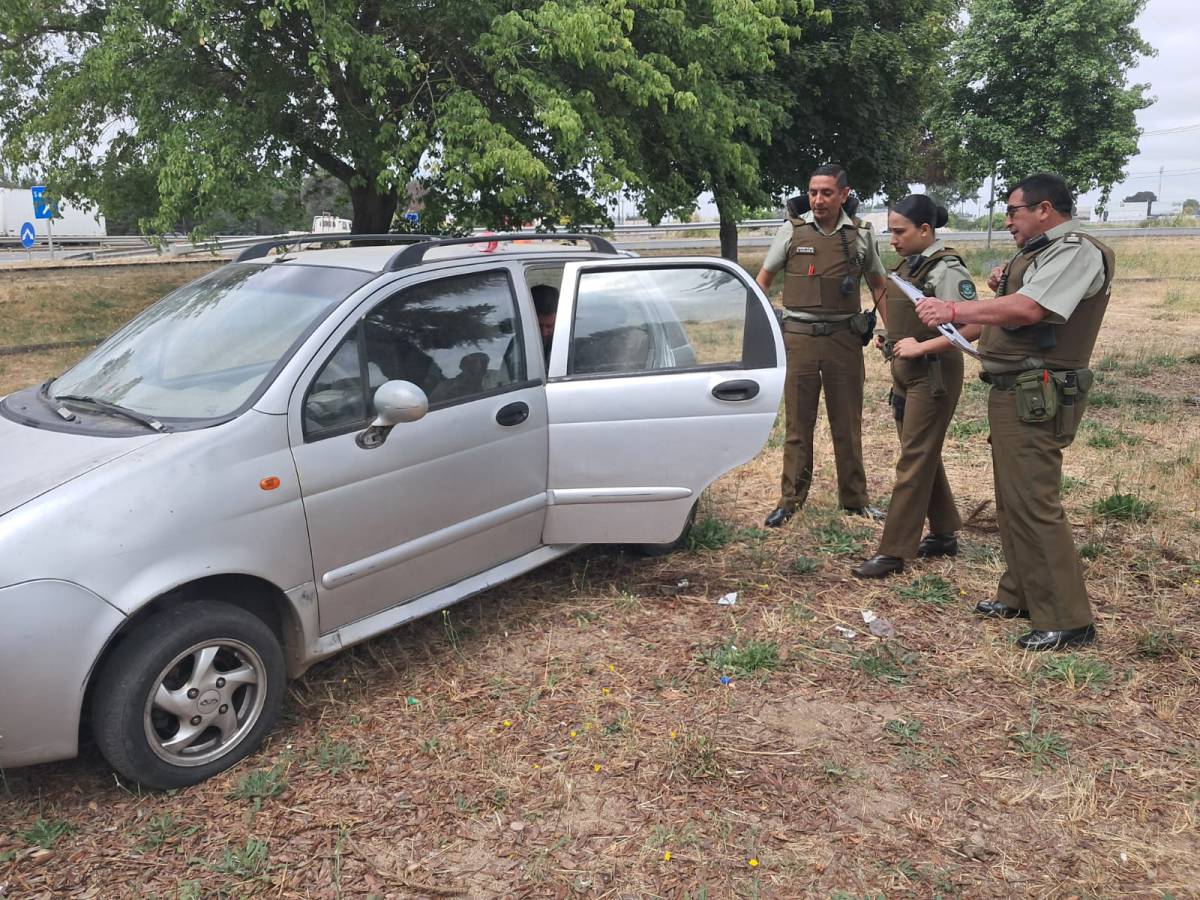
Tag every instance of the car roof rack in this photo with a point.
(256, 251)
(415, 254)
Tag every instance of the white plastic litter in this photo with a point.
(728, 600)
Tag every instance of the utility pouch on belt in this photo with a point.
(1037, 396)
(937, 384)
(896, 402)
(1071, 385)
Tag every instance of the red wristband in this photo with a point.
(953, 312)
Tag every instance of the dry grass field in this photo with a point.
(603, 728)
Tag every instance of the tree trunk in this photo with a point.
(373, 211)
(729, 236)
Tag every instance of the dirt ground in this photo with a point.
(604, 728)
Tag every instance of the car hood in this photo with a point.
(34, 461)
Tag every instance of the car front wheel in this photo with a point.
(187, 694)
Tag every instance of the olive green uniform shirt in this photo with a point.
(949, 279)
(1063, 274)
(867, 250)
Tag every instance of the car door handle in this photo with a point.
(513, 413)
(740, 389)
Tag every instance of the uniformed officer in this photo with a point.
(824, 253)
(927, 376)
(1037, 342)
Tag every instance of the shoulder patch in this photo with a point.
(966, 289)
(1072, 239)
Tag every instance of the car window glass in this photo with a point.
(336, 399)
(645, 320)
(454, 338)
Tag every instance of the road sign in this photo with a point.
(41, 208)
(412, 218)
(28, 235)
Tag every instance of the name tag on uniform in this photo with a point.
(809, 250)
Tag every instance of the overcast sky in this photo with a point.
(1172, 27)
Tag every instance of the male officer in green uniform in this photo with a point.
(824, 254)
(1037, 341)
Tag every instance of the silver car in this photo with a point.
(307, 447)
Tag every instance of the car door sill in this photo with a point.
(361, 630)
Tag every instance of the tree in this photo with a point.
(1147, 197)
(503, 110)
(857, 90)
(1040, 86)
(1191, 207)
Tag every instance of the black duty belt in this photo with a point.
(815, 329)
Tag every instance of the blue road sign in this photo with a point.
(28, 235)
(412, 217)
(41, 209)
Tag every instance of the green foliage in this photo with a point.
(837, 540)
(249, 860)
(260, 785)
(929, 589)
(744, 658)
(905, 731)
(164, 829)
(961, 429)
(1123, 508)
(1157, 643)
(44, 834)
(1043, 87)
(710, 533)
(882, 663)
(804, 565)
(1103, 437)
(1077, 671)
(336, 757)
(1044, 749)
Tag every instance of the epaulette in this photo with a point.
(1072, 238)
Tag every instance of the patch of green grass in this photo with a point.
(929, 589)
(710, 533)
(1103, 399)
(743, 659)
(1107, 364)
(1139, 369)
(44, 834)
(905, 731)
(1043, 749)
(1123, 508)
(336, 757)
(1091, 550)
(882, 663)
(804, 565)
(1163, 360)
(1156, 643)
(246, 861)
(260, 785)
(965, 428)
(1069, 483)
(1103, 437)
(164, 829)
(837, 540)
(1076, 671)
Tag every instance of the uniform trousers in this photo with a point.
(1043, 571)
(833, 362)
(921, 490)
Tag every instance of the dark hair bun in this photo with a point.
(920, 210)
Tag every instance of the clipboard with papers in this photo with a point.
(952, 334)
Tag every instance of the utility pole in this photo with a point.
(991, 209)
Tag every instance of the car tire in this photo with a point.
(164, 712)
(656, 550)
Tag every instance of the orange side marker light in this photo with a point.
(269, 483)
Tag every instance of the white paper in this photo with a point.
(948, 331)
(728, 599)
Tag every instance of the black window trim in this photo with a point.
(518, 335)
(740, 366)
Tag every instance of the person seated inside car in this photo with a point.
(472, 379)
(545, 301)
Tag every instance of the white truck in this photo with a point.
(16, 208)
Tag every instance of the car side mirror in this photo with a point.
(395, 402)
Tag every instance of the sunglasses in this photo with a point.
(1009, 211)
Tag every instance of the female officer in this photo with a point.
(927, 376)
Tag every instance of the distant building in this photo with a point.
(16, 207)
(1136, 212)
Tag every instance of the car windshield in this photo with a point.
(202, 351)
